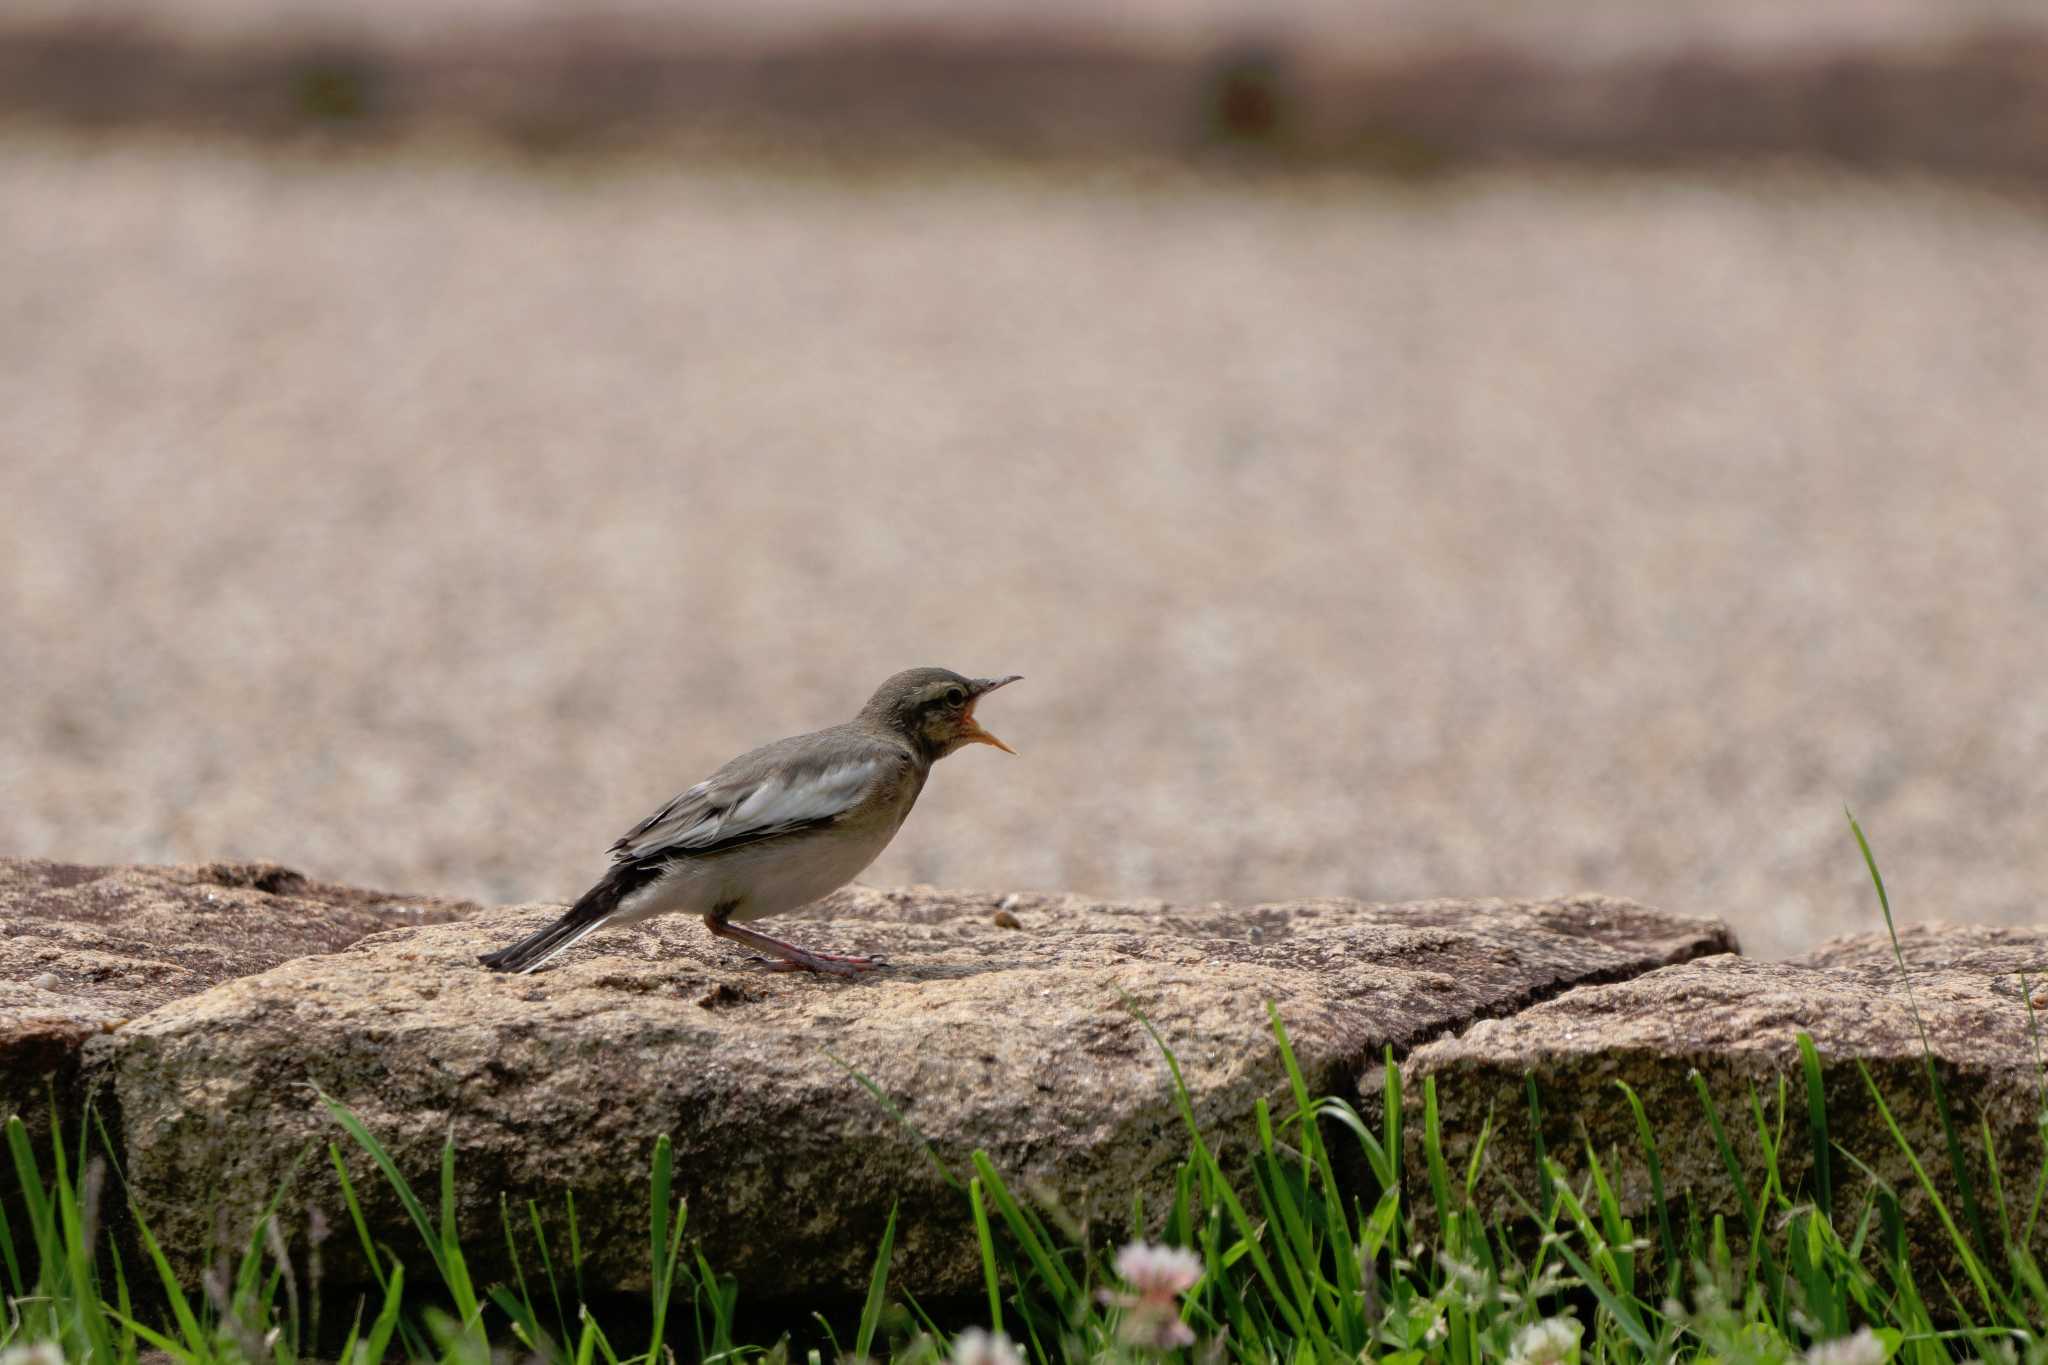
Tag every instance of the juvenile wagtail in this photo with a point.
(781, 826)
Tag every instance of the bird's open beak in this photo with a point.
(973, 733)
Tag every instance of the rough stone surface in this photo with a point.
(1736, 1022)
(85, 949)
(1999, 951)
(1010, 1034)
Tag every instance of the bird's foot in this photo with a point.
(788, 957)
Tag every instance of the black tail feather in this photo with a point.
(591, 910)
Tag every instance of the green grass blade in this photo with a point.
(1958, 1170)
(355, 1128)
(985, 1240)
(547, 1265)
(1477, 1162)
(661, 1249)
(721, 1301)
(42, 1218)
(1231, 1204)
(878, 1290)
(1674, 1263)
(174, 1294)
(89, 1323)
(1769, 1144)
(1294, 1247)
(1546, 1189)
(16, 1287)
(169, 1346)
(454, 1265)
(659, 1178)
(1049, 1267)
(1817, 1124)
(525, 1326)
(1376, 1159)
(1392, 1116)
(1439, 1171)
(1997, 1182)
(372, 1348)
(1964, 1250)
(355, 1214)
(1316, 1154)
(890, 1108)
(832, 1337)
(1736, 1177)
(1614, 1230)
(525, 1315)
(1621, 1308)
(576, 1251)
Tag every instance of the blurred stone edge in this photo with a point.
(1967, 97)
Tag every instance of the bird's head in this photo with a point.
(933, 708)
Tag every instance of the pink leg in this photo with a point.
(790, 957)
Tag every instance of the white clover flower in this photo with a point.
(35, 1353)
(1158, 1273)
(1861, 1349)
(1157, 1276)
(976, 1347)
(1553, 1341)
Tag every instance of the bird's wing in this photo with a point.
(781, 789)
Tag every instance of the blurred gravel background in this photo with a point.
(423, 519)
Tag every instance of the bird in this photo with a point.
(779, 826)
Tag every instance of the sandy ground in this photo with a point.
(422, 521)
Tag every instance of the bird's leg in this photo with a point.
(791, 958)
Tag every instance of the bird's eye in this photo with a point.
(954, 696)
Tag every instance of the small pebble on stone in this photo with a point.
(46, 981)
(1005, 920)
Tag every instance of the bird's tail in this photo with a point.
(596, 908)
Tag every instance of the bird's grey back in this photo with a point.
(798, 782)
